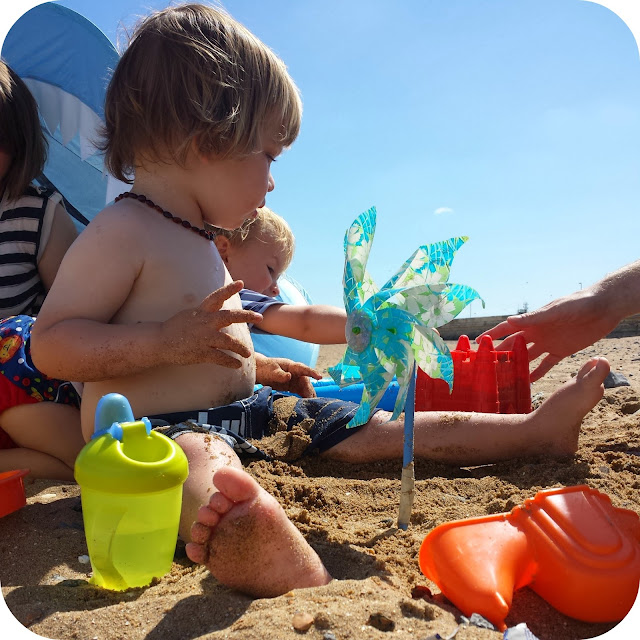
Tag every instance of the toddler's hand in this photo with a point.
(286, 375)
(194, 335)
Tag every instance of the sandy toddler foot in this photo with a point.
(245, 539)
(557, 421)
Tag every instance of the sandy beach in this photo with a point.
(348, 515)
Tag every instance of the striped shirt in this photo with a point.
(25, 225)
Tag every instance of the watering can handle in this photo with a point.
(112, 410)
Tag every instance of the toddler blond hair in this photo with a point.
(267, 227)
(192, 75)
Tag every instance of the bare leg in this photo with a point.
(48, 436)
(481, 438)
(247, 542)
(206, 454)
(40, 465)
(245, 538)
(241, 533)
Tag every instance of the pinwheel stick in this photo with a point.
(408, 477)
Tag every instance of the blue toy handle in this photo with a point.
(113, 409)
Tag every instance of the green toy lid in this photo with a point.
(136, 460)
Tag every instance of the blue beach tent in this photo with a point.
(66, 62)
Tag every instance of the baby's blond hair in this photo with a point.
(193, 74)
(267, 227)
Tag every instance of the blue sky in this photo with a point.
(514, 123)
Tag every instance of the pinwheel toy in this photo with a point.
(391, 330)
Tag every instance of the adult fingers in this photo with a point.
(508, 343)
(521, 325)
(535, 351)
(544, 367)
(500, 330)
(542, 316)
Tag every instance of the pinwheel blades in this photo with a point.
(389, 329)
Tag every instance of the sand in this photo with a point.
(348, 514)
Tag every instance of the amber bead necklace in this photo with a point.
(167, 214)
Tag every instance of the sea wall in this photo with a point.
(473, 327)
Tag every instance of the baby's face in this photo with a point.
(258, 262)
(234, 188)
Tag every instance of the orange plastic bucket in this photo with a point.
(12, 495)
(569, 545)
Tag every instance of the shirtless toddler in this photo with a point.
(198, 108)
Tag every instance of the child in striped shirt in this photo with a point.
(39, 418)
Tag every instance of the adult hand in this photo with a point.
(196, 336)
(558, 329)
(286, 375)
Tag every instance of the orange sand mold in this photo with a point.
(569, 545)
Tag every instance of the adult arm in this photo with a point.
(576, 321)
(320, 324)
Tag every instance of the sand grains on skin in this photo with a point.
(243, 524)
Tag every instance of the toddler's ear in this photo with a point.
(196, 151)
(222, 244)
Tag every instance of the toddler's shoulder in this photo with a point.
(120, 216)
(114, 230)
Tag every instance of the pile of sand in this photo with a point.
(348, 515)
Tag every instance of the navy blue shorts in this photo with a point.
(267, 413)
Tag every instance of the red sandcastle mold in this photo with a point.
(486, 380)
(12, 495)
